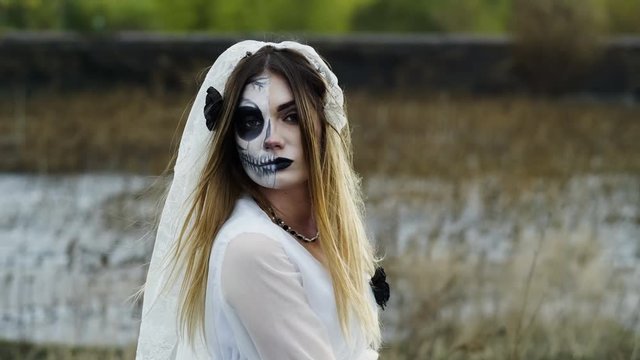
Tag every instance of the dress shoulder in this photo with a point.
(249, 251)
(265, 290)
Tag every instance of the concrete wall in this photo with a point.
(376, 63)
(75, 247)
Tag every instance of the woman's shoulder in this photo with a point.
(252, 247)
(249, 234)
(247, 217)
(247, 237)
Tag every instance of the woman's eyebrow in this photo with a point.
(286, 105)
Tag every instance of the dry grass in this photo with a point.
(554, 298)
(131, 130)
(127, 130)
(26, 351)
(462, 137)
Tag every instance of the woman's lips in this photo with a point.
(279, 163)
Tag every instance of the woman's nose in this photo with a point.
(272, 139)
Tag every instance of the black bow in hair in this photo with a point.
(212, 107)
(380, 287)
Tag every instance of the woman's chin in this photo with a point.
(286, 180)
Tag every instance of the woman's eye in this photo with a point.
(252, 122)
(292, 118)
(248, 122)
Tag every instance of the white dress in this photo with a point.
(268, 298)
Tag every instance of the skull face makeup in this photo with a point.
(268, 134)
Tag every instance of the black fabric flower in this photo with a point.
(212, 107)
(380, 287)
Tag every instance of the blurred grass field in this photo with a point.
(133, 131)
(449, 307)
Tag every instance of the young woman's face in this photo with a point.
(268, 134)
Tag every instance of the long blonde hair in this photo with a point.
(333, 185)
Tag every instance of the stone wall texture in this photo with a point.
(376, 63)
(74, 248)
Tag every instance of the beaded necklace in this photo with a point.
(276, 220)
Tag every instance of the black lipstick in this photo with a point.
(280, 163)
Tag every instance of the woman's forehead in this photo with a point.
(267, 89)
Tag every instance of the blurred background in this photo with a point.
(498, 142)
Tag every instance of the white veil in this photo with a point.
(158, 338)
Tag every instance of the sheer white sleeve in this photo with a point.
(265, 289)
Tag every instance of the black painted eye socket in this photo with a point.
(248, 122)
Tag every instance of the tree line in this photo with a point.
(309, 16)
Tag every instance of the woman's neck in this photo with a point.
(294, 207)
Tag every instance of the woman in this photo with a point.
(261, 251)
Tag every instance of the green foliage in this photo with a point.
(623, 16)
(105, 15)
(328, 16)
(433, 15)
(28, 14)
(249, 15)
(80, 15)
(183, 15)
(400, 15)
